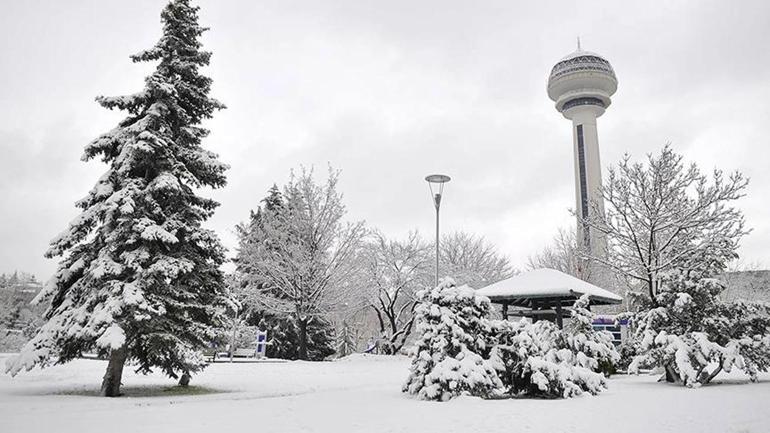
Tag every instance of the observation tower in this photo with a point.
(581, 84)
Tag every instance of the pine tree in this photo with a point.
(539, 359)
(593, 349)
(691, 329)
(139, 277)
(451, 347)
(283, 336)
(346, 344)
(274, 200)
(13, 279)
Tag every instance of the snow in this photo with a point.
(546, 283)
(579, 53)
(356, 394)
(113, 337)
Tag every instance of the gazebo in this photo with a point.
(544, 294)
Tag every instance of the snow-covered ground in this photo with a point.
(358, 394)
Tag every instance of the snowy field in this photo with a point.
(357, 394)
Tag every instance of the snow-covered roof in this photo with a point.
(581, 61)
(547, 283)
(580, 53)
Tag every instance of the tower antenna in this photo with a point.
(578, 42)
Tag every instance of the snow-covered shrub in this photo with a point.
(541, 360)
(593, 349)
(451, 346)
(691, 329)
(628, 351)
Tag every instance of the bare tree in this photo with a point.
(304, 260)
(564, 254)
(394, 271)
(662, 216)
(241, 306)
(471, 260)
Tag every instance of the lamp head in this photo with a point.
(436, 183)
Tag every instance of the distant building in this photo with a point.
(751, 286)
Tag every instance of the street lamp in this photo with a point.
(436, 183)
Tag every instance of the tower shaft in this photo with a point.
(588, 177)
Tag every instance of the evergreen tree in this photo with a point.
(13, 279)
(139, 278)
(451, 347)
(346, 344)
(282, 334)
(538, 360)
(593, 349)
(274, 200)
(691, 329)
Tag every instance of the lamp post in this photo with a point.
(436, 183)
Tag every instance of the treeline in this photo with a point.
(18, 318)
(321, 285)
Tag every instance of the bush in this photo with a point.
(451, 347)
(691, 329)
(541, 360)
(459, 351)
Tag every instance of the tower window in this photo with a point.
(582, 101)
(583, 182)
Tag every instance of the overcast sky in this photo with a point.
(389, 91)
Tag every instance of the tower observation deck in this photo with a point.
(581, 84)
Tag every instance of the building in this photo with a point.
(751, 286)
(581, 84)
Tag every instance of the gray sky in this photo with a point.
(389, 91)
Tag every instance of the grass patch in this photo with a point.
(148, 391)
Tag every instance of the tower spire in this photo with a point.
(578, 44)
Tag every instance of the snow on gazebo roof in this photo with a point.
(546, 283)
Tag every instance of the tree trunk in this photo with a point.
(114, 373)
(302, 331)
(651, 291)
(671, 375)
(184, 381)
(711, 376)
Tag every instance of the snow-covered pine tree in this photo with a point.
(536, 360)
(451, 347)
(139, 279)
(542, 360)
(346, 344)
(692, 330)
(592, 349)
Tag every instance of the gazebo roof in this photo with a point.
(545, 284)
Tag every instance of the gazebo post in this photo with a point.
(559, 321)
(505, 311)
